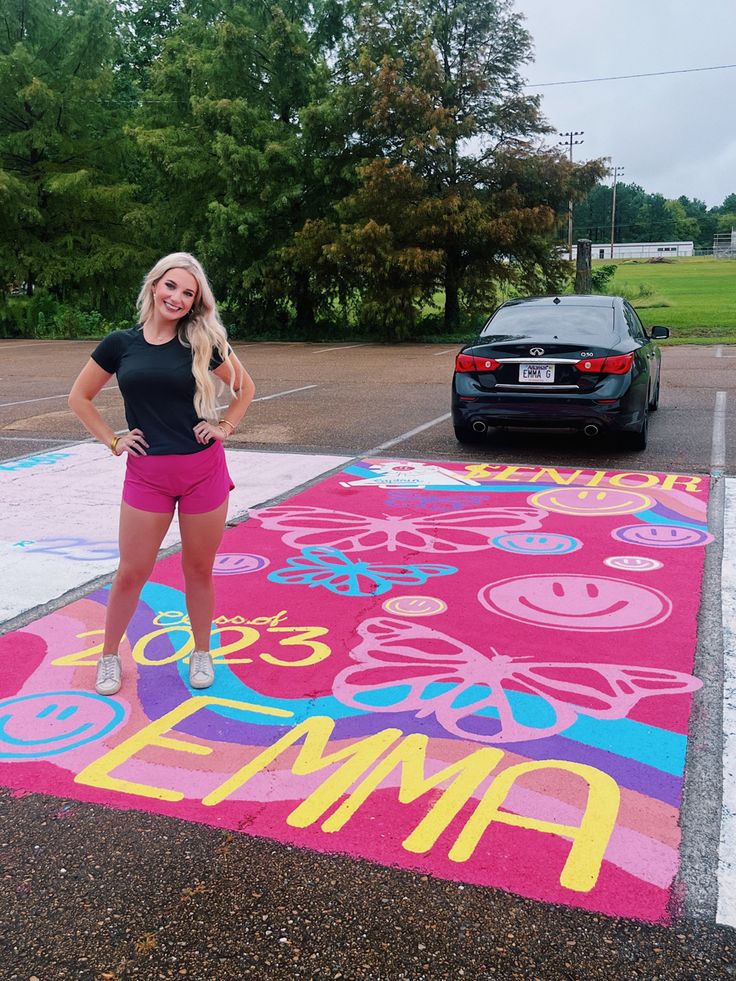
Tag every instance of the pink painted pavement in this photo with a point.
(478, 672)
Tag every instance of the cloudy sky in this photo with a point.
(675, 134)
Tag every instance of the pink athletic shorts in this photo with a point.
(198, 482)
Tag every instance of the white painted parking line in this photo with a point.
(289, 391)
(276, 395)
(719, 351)
(451, 350)
(12, 346)
(726, 913)
(47, 398)
(718, 442)
(33, 439)
(110, 388)
(407, 435)
(344, 347)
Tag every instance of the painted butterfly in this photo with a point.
(331, 568)
(451, 531)
(409, 667)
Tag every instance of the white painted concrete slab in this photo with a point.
(59, 514)
(727, 852)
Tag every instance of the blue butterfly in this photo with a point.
(331, 568)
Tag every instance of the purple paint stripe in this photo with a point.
(627, 773)
(676, 517)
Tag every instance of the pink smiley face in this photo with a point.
(238, 563)
(575, 602)
(662, 536)
(593, 502)
(632, 563)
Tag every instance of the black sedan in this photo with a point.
(582, 363)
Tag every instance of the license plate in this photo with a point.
(536, 373)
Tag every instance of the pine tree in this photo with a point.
(62, 151)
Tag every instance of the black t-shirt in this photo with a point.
(157, 386)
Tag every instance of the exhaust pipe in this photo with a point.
(479, 427)
(591, 429)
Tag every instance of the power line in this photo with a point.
(615, 78)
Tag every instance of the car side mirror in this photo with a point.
(660, 333)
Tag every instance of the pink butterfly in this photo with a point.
(451, 531)
(397, 654)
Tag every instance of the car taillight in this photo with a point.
(469, 362)
(617, 365)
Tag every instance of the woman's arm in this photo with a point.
(236, 409)
(88, 384)
(244, 391)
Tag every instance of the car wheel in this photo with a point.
(468, 436)
(638, 440)
(654, 403)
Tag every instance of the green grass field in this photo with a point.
(696, 297)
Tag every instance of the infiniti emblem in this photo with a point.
(536, 351)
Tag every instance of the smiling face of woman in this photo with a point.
(174, 294)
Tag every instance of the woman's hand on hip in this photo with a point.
(205, 432)
(133, 443)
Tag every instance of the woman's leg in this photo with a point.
(141, 534)
(201, 535)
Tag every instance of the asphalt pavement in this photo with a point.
(95, 893)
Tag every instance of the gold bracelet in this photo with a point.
(226, 422)
(114, 445)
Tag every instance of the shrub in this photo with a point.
(602, 276)
(42, 316)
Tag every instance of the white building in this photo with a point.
(638, 250)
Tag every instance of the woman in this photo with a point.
(174, 450)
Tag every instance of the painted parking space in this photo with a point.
(58, 523)
(479, 672)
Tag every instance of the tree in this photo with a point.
(62, 151)
(726, 221)
(434, 95)
(223, 124)
(685, 228)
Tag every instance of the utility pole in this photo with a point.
(617, 172)
(568, 140)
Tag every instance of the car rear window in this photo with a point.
(548, 321)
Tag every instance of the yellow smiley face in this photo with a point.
(591, 502)
(415, 606)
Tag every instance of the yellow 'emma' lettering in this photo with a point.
(97, 774)
(410, 755)
(311, 758)
(589, 839)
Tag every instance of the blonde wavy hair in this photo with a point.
(201, 329)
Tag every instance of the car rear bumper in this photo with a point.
(547, 413)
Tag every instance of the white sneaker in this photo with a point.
(109, 674)
(201, 669)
